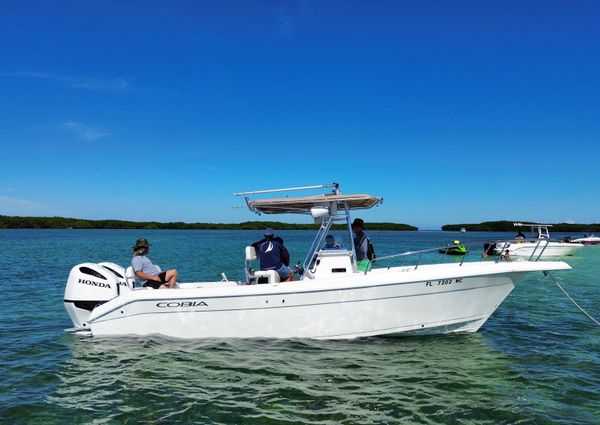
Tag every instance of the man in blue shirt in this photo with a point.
(271, 254)
(148, 272)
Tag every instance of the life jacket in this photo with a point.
(370, 254)
(285, 254)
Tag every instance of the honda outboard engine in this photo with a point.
(90, 285)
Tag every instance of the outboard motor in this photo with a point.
(90, 285)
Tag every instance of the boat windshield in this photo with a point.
(539, 231)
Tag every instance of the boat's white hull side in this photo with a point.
(330, 314)
(554, 249)
(439, 298)
(452, 299)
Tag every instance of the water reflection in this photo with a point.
(372, 381)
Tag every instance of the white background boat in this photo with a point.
(587, 240)
(331, 299)
(540, 246)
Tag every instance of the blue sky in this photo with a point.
(452, 111)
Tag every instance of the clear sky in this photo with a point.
(458, 111)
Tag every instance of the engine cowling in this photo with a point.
(90, 285)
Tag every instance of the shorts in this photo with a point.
(363, 265)
(284, 272)
(154, 284)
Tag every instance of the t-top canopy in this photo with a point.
(303, 205)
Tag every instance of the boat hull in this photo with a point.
(587, 241)
(387, 302)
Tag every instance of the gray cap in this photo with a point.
(269, 232)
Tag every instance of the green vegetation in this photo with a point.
(14, 222)
(508, 226)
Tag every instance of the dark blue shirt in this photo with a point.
(269, 253)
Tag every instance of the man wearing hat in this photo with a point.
(330, 243)
(148, 272)
(365, 253)
(271, 254)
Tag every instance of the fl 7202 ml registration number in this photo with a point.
(442, 282)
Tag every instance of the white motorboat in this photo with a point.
(587, 240)
(330, 300)
(539, 246)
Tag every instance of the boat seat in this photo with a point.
(131, 279)
(250, 253)
(267, 276)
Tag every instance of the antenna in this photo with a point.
(290, 189)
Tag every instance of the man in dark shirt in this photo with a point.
(364, 256)
(272, 254)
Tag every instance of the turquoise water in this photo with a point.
(535, 361)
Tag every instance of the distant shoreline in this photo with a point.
(17, 222)
(508, 226)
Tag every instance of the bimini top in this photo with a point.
(303, 205)
(531, 225)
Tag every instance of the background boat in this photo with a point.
(587, 240)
